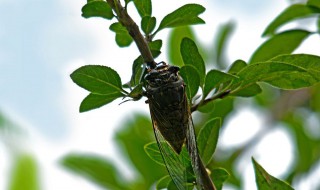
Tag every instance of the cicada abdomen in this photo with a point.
(172, 124)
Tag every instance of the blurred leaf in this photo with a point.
(214, 79)
(314, 3)
(135, 133)
(154, 153)
(224, 34)
(266, 181)
(175, 38)
(249, 91)
(191, 56)
(237, 66)
(293, 12)
(24, 175)
(318, 24)
(283, 43)
(144, 7)
(191, 77)
(208, 138)
(219, 176)
(185, 15)
(97, 79)
(123, 38)
(148, 24)
(93, 101)
(97, 8)
(96, 169)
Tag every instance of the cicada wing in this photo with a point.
(202, 177)
(176, 164)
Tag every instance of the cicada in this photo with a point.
(173, 127)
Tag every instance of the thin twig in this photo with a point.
(133, 29)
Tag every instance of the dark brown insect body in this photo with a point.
(172, 123)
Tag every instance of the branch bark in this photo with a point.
(133, 29)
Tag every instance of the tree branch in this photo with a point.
(133, 29)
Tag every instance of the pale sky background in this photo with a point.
(42, 42)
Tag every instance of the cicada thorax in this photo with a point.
(165, 90)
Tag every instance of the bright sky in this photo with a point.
(42, 42)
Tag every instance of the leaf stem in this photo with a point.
(133, 29)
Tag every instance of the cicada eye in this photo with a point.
(174, 69)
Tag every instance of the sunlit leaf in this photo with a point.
(283, 43)
(266, 181)
(208, 138)
(214, 79)
(94, 168)
(93, 101)
(148, 24)
(293, 12)
(191, 56)
(97, 8)
(219, 176)
(144, 7)
(191, 77)
(185, 15)
(24, 175)
(123, 38)
(97, 79)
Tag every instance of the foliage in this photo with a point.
(272, 63)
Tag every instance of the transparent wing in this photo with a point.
(177, 165)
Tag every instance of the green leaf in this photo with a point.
(191, 77)
(237, 66)
(163, 182)
(153, 152)
(191, 56)
(266, 181)
(148, 24)
(93, 101)
(283, 43)
(137, 71)
(249, 91)
(185, 15)
(123, 38)
(293, 12)
(207, 108)
(224, 34)
(219, 176)
(314, 3)
(97, 8)
(214, 79)
(24, 175)
(155, 45)
(96, 169)
(144, 7)
(175, 38)
(208, 138)
(97, 79)
(283, 75)
(136, 93)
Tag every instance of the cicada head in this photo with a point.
(162, 74)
